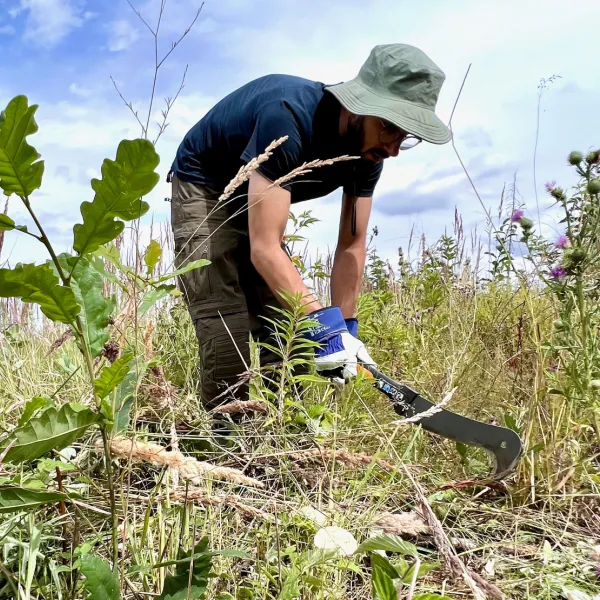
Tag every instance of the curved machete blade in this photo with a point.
(504, 444)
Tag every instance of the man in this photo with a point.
(388, 107)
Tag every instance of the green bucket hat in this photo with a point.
(401, 84)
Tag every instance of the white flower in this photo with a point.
(314, 515)
(336, 538)
(67, 454)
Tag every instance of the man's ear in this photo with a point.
(356, 120)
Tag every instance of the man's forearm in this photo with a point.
(280, 274)
(346, 278)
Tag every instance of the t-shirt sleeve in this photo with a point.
(365, 175)
(275, 121)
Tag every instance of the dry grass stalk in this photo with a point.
(237, 502)
(404, 523)
(241, 406)
(349, 459)
(307, 167)
(188, 467)
(58, 342)
(246, 170)
(436, 408)
(480, 588)
(148, 350)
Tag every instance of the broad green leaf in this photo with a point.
(383, 564)
(32, 407)
(198, 556)
(6, 223)
(382, 583)
(39, 284)
(152, 256)
(389, 543)
(112, 375)
(462, 450)
(112, 254)
(424, 569)
(49, 465)
(511, 422)
(87, 285)
(14, 499)
(98, 264)
(20, 170)
(153, 296)
(100, 581)
(181, 586)
(53, 429)
(125, 395)
(118, 195)
(194, 264)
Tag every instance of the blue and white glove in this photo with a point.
(340, 350)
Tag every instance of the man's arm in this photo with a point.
(350, 255)
(268, 212)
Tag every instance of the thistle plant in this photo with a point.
(573, 277)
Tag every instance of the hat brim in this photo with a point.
(416, 120)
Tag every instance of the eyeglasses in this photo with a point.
(390, 134)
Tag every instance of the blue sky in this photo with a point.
(62, 54)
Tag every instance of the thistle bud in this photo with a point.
(575, 158)
(593, 157)
(573, 257)
(593, 187)
(559, 325)
(526, 223)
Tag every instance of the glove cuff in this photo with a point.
(331, 323)
(352, 326)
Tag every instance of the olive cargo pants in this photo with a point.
(229, 294)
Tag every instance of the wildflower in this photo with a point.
(562, 241)
(517, 215)
(550, 185)
(558, 272)
(575, 158)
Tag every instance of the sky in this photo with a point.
(65, 54)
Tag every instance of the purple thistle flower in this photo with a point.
(517, 215)
(562, 241)
(550, 186)
(558, 272)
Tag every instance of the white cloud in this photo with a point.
(122, 35)
(49, 21)
(7, 30)
(79, 90)
(15, 11)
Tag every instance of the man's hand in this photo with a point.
(268, 212)
(340, 352)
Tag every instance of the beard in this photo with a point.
(355, 135)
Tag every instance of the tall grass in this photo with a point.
(437, 324)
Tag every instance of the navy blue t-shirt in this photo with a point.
(240, 127)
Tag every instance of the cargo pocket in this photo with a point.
(196, 284)
(223, 357)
